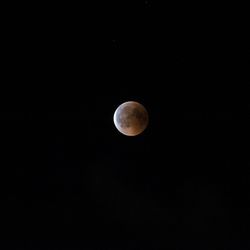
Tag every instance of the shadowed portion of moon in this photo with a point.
(131, 118)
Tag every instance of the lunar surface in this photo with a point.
(131, 118)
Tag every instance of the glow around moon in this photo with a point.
(131, 118)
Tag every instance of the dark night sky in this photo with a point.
(70, 180)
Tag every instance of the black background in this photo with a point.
(70, 180)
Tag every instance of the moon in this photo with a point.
(131, 118)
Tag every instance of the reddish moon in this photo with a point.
(131, 118)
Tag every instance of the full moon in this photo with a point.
(131, 118)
